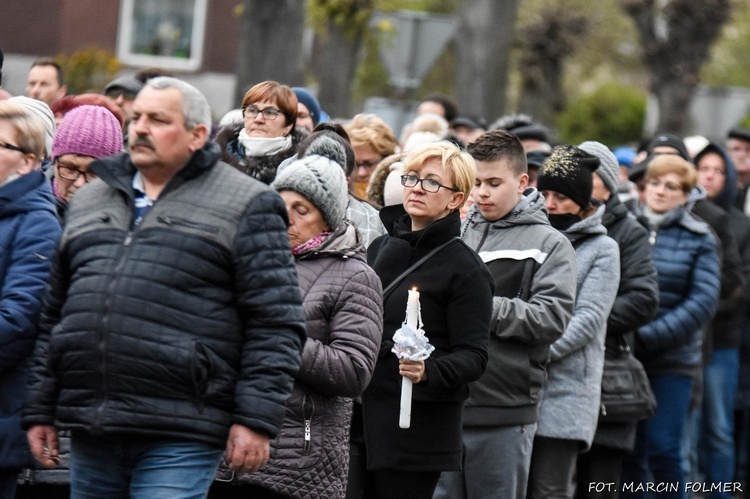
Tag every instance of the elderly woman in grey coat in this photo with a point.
(342, 298)
(570, 404)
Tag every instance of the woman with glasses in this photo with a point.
(28, 234)
(455, 296)
(687, 265)
(372, 140)
(267, 136)
(85, 133)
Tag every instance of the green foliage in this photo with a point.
(745, 122)
(351, 15)
(728, 65)
(613, 114)
(88, 70)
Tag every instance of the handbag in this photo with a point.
(626, 391)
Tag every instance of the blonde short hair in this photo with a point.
(369, 130)
(29, 129)
(663, 164)
(459, 164)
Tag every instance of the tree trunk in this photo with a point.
(334, 64)
(483, 42)
(270, 45)
(676, 41)
(546, 46)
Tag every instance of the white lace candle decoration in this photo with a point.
(410, 343)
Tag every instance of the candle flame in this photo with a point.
(414, 288)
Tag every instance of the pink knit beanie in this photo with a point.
(89, 131)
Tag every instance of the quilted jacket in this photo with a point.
(342, 298)
(687, 265)
(28, 234)
(178, 328)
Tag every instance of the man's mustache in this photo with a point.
(142, 141)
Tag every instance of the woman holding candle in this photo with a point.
(343, 314)
(455, 303)
(570, 404)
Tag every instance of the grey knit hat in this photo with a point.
(609, 167)
(42, 111)
(319, 180)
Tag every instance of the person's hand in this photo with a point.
(412, 369)
(246, 449)
(44, 445)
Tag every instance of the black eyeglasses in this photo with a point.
(70, 173)
(428, 184)
(269, 113)
(11, 147)
(367, 165)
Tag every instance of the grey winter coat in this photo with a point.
(342, 298)
(534, 268)
(570, 405)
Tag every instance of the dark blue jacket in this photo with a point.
(687, 264)
(28, 234)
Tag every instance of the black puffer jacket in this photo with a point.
(262, 168)
(178, 328)
(635, 306)
(344, 317)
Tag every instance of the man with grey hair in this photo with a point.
(173, 324)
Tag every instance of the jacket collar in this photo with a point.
(117, 171)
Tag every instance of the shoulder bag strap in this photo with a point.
(416, 265)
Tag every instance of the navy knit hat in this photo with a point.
(311, 103)
(568, 171)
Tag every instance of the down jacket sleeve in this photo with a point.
(701, 294)
(270, 307)
(638, 295)
(42, 388)
(343, 367)
(24, 277)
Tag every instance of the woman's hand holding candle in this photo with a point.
(412, 369)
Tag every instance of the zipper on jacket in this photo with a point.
(102, 347)
(652, 237)
(484, 237)
(308, 421)
(603, 409)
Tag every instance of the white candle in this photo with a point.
(404, 417)
(412, 308)
(412, 315)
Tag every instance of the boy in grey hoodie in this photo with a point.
(535, 286)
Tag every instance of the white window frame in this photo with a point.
(124, 41)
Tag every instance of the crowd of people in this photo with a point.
(285, 305)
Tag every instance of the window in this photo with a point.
(164, 33)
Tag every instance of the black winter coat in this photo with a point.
(177, 328)
(456, 291)
(635, 306)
